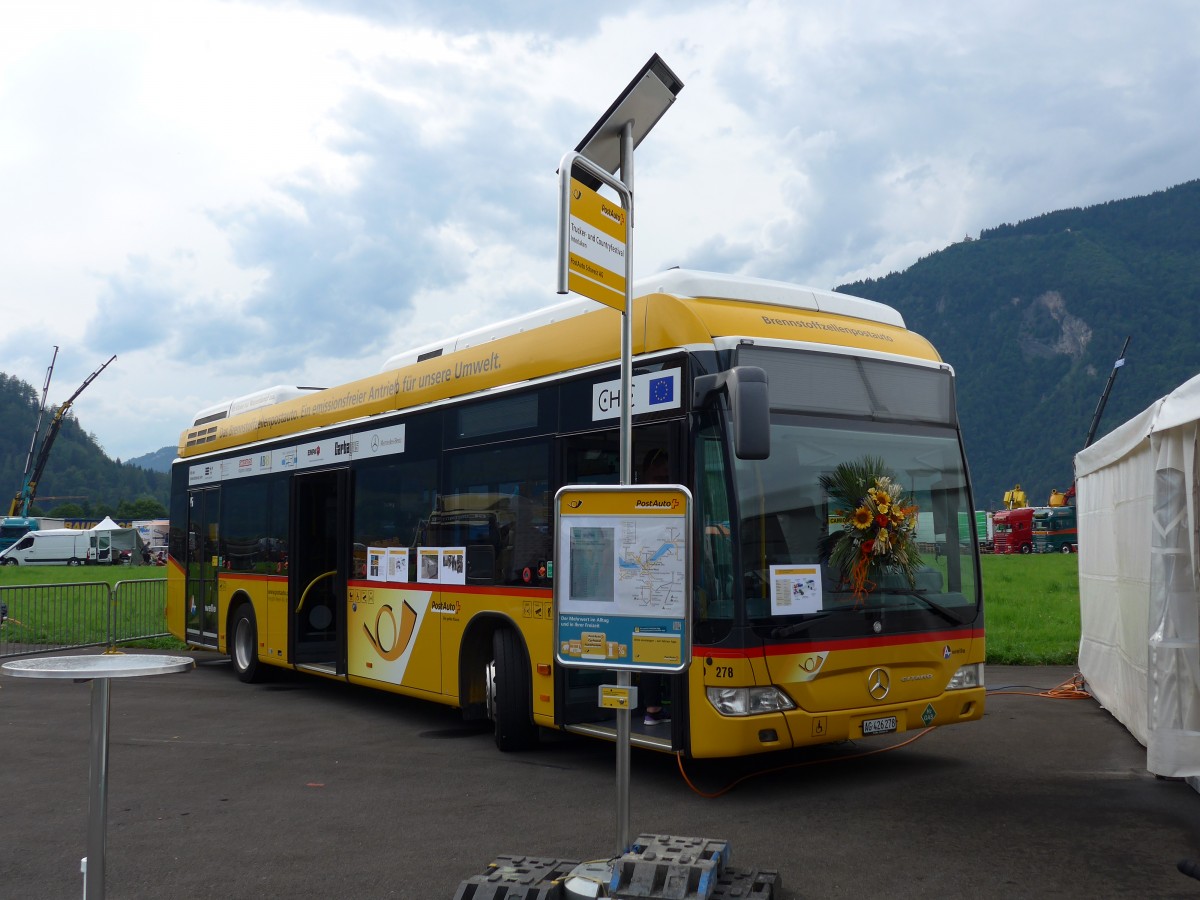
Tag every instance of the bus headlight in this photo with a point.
(966, 677)
(748, 701)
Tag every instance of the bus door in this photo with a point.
(318, 559)
(595, 459)
(202, 566)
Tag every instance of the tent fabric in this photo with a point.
(119, 539)
(1139, 650)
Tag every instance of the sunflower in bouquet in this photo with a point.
(879, 525)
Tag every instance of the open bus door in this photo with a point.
(202, 566)
(319, 560)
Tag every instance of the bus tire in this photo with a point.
(510, 693)
(243, 645)
(1066, 548)
(1026, 548)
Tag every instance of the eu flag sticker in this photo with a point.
(662, 390)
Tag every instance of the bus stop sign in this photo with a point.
(622, 584)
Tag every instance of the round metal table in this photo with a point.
(98, 669)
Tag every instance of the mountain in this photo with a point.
(77, 470)
(1033, 316)
(158, 460)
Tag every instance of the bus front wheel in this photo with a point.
(243, 645)
(1026, 548)
(509, 693)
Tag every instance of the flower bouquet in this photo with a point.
(879, 525)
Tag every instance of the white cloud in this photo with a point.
(230, 195)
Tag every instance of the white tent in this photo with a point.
(1139, 585)
(113, 538)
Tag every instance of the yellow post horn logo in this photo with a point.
(403, 632)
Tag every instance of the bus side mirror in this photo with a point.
(746, 387)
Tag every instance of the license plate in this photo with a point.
(886, 725)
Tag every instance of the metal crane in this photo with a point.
(23, 500)
(1112, 376)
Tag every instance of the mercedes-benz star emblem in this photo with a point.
(879, 682)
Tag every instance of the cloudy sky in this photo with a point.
(232, 195)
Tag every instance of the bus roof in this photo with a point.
(674, 309)
(684, 283)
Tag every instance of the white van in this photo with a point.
(56, 547)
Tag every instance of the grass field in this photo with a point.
(16, 575)
(1031, 602)
(81, 616)
(1031, 605)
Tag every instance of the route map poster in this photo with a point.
(623, 578)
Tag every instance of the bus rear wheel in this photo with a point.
(243, 645)
(1066, 548)
(1026, 548)
(509, 693)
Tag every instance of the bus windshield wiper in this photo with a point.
(942, 611)
(795, 628)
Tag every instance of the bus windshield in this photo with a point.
(780, 518)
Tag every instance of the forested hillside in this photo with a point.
(78, 472)
(1032, 316)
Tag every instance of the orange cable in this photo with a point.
(1071, 689)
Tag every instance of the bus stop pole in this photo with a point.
(623, 678)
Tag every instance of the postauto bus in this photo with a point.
(396, 531)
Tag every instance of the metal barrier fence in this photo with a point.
(38, 618)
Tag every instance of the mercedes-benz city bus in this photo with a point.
(397, 531)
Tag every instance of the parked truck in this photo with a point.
(1055, 530)
(985, 531)
(1013, 530)
(13, 528)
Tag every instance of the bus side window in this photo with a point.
(390, 496)
(497, 505)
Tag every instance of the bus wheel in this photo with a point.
(509, 697)
(1026, 548)
(243, 646)
(1066, 548)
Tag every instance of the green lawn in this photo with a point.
(18, 575)
(70, 616)
(1031, 602)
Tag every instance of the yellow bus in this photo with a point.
(397, 531)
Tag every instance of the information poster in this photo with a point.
(795, 590)
(397, 564)
(428, 564)
(623, 586)
(376, 564)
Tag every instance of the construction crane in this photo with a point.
(1112, 376)
(33, 473)
(37, 427)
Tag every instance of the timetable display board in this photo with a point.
(622, 586)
